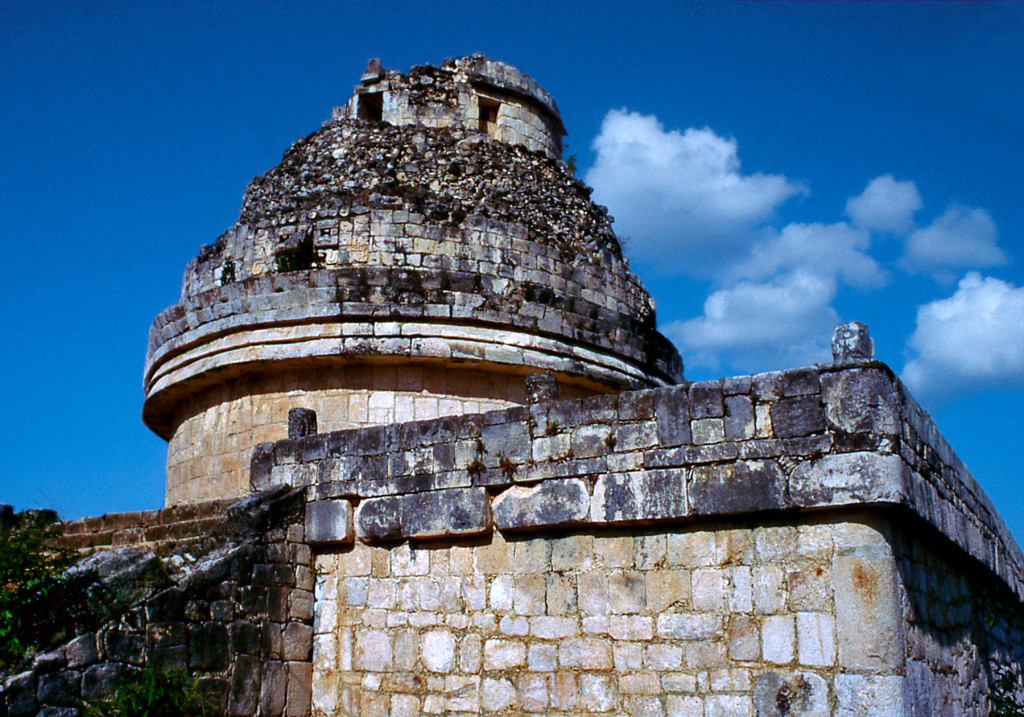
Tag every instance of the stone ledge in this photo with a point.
(813, 438)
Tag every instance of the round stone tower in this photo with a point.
(416, 257)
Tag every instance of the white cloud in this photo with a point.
(680, 196)
(960, 238)
(885, 205)
(780, 323)
(829, 251)
(973, 338)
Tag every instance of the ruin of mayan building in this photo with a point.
(430, 455)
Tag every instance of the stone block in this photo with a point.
(547, 504)
(637, 496)
(842, 478)
(432, 514)
(300, 677)
(779, 694)
(800, 416)
(510, 441)
(869, 696)
(20, 694)
(861, 401)
(60, 689)
(82, 651)
(273, 686)
(301, 423)
(437, 649)
(243, 697)
(329, 521)
(689, 626)
(729, 488)
(739, 418)
(261, 466)
(672, 414)
(869, 620)
(706, 400)
(816, 639)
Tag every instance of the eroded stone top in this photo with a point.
(469, 92)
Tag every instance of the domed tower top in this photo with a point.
(406, 261)
(469, 93)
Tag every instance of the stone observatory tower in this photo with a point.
(416, 257)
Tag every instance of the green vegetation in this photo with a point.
(38, 605)
(151, 692)
(1006, 691)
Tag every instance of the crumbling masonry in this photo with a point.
(479, 483)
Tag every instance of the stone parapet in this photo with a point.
(823, 437)
(159, 530)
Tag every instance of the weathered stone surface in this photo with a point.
(852, 342)
(547, 504)
(541, 387)
(778, 694)
(60, 689)
(799, 416)
(868, 618)
(870, 696)
(860, 401)
(672, 411)
(739, 418)
(82, 651)
(743, 486)
(99, 680)
(244, 696)
(329, 521)
(639, 496)
(273, 686)
(301, 423)
(458, 511)
(848, 478)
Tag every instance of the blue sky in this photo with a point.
(777, 167)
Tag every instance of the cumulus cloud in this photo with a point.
(885, 205)
(680, 196)
(779, 323)
(973, 338)
(824, 250)
(959, 239)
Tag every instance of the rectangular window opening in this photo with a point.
(371, 107)
(488, 110)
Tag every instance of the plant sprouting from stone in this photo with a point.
(151, 692)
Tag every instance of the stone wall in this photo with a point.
(719, 621)
(231, 603)
(771, 542)
(208, 454)
(459, 94)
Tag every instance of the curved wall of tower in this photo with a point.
(383, 273)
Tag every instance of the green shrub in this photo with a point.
(1005, 692)
(38, 606)
(151, 692)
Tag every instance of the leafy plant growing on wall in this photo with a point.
(151, 692)
(1005, 692)
(42, 603)
(31, 587)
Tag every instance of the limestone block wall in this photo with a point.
(801, 542)
(718, 621)
(209, 451)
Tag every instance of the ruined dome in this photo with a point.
(416, 256)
